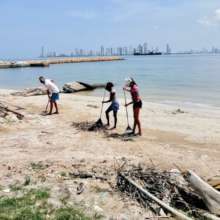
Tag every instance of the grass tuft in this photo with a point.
(33, 205)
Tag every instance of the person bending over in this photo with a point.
(132, 87)
(53, 93)
(114, 104)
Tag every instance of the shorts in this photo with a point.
(54, 97)
(137, 104)
(113, 107)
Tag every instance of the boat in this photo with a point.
(147, 54)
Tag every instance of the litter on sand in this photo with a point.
(165, 192)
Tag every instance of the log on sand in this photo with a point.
(80, 86)
(4, 109)
(210, 196)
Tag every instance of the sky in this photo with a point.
(63, 25)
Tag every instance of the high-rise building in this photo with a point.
(119, 51)
(145, 48)
(42, 52)
(76, 52)
(102, 51)
(125, 51)
(111, 51)
(90, 53)
(168, 49)
(131, 50)
(81, 52)
(140, 49)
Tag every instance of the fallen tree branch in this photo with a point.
(5, 108)
(173, 211)
(210, 196)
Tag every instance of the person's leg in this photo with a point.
(56, 107)
(115, 118)
(107, 115)
(137, 120)
(135, 123)
(51, 107)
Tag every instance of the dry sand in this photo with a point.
(171, 138)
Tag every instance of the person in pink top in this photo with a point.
(132, 87)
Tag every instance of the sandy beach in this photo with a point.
(187, 138)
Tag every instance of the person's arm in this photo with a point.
(129, 103)
(127, 89)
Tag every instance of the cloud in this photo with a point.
(212, 20)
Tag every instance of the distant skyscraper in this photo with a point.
(111, 51)
(81, 52)
(125, 51)
(131, 50)
(140, 49)
(76, 52)
(90, 53)
(42, 51)
(119, 51)
(168, 49)
(102, 51)
(145, 48)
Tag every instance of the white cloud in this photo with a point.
(212, 20)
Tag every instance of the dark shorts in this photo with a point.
(137, 104)
(113, 107)
(55, 97)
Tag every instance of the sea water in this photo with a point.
(166, 78)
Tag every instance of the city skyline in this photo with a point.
(126, 51)
(107, 51)
(27, 25)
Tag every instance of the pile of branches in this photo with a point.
(88, 126)
(169, 187)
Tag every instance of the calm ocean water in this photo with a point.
(175, 78)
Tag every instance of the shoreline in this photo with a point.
(160, 116)
(187, 105)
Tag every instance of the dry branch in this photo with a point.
(173, 211)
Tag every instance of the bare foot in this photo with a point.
(56, 113)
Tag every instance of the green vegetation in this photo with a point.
(38, 166)
(63, 174)
(33, 205)
(69, 213)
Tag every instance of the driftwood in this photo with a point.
(5, 109)
(209, 216)
(171, 210)
(30, 92)
(80, 86)
(210, 196)
(83, 175)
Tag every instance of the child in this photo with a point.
(136, 101)
(53, 93)
(114, 104)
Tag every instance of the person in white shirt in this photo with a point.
(53, 93)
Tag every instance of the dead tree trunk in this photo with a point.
(210, 196)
